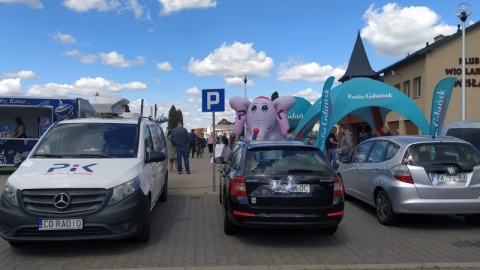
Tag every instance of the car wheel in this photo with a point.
(473, 219)
(163, 195)
(385, 214)
(144, 235)
(329, 230)
(228, 227)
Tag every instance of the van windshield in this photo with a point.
(89, 140)
(471, 135)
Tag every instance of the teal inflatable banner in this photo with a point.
(325, 113)
(440, 100)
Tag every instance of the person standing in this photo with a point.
(20, 130)
(331, 145)
(180, 139)
(347, 141)
(386, 131)
(210, 144)
(290, 135)
(192, 139)
(172, 152)
(232, 140)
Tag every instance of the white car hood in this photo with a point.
(105, 173)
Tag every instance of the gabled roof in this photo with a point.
(359, 66)
(429, 48)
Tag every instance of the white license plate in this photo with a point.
(60, 224)
(284, 188)
(461, 177)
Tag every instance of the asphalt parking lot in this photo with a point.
(187, 233)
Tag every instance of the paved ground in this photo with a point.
(187, 233)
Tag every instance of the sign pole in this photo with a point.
(214, 138)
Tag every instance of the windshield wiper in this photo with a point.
(73, 155)
(49, 155)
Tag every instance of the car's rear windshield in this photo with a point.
(442, 153)
(286, 160)
(89, 140)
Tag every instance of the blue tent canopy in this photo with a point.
(369, 99)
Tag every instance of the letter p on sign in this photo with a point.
(213, 100)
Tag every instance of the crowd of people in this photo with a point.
(182, 143)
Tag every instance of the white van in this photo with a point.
(466, 130)
(90, 178)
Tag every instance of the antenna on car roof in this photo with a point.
(434, 133)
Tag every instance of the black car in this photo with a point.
(279, 184)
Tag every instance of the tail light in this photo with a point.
(402, 174)
(237, 187)
(337, 190)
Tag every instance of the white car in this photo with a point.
(90, 178)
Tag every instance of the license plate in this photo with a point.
(461, 177)
(60, 224)
(278, 187)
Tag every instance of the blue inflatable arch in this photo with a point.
(369, 99)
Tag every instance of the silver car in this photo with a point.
(414, 175)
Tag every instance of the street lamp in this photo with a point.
(462, 11)
(245, 80)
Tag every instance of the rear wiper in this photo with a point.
(302, 171)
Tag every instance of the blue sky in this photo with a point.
(167, 51)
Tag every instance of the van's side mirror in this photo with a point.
(156, 156)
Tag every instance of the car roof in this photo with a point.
(409, 139)
(103, 120)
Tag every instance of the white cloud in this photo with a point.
(294, 70)
(10, 87)
(23, 74)
(84, 87)
(309, 94)
(193, 91)
(88, 58)
(117, 60)
(170, 6)
(30, 3)
(233, 60)
(86, 5)
(238, 81)
(165, 66)
(64, 38)
(397, 31)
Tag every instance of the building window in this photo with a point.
(406, 88)
(418, 86)
(397, 86)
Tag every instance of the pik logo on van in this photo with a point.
(70, 169)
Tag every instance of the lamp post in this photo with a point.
(245, 80)
(462, 11)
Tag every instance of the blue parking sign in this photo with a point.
(213, 100)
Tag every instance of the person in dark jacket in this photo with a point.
(180, 139)
(192, 138)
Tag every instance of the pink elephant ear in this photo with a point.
(240, 105)
(282, 105)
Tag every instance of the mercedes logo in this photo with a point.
(61, 200)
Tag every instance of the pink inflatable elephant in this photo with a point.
(266, 119)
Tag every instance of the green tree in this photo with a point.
(172, 118)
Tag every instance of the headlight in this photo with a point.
(10, 194)
(124, 190)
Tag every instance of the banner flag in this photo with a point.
(440, 100)
(325, 113)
